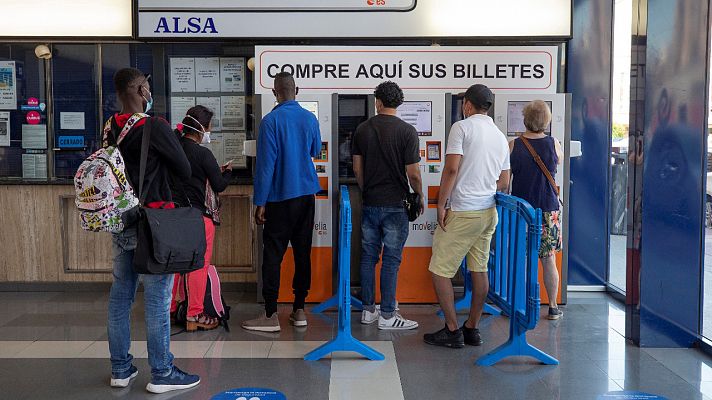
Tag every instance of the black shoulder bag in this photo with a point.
(169, 241)
(411, 203)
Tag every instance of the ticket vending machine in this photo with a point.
(509, 119)
(325, 228)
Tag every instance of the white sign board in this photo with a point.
(332, 69)
(71, 120)
(351, 18)
(8, 86)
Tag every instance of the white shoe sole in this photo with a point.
(158, 389)
(122, 383)
(270, 329)
(365, 322)
(393, 328)
(298, 324)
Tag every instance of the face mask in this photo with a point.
(206, 134)
(149, 102)
(206, 138)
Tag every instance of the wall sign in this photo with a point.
(33, 118)
(71, 142)
(8, 86)
(354, 18)
(444, 69)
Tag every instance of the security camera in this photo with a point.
(42, 51)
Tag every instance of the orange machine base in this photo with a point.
(321, 276)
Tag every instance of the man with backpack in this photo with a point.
(165, 158)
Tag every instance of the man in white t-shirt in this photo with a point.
(476, 166)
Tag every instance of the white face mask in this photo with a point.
(206, 134)
(206, 138)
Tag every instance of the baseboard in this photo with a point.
(586, 288)
(98, 286)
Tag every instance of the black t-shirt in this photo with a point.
(204, 168)
(165, 157)
(399, 146)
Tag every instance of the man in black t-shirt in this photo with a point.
(386, 153)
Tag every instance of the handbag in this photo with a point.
(169, 240)
(411, 203)
(542, 167)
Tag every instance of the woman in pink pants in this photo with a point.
(200, 191)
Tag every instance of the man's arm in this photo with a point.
(503, 182)
(264, 168)
(316, 139)
(416, 182)
(447, 183)
(358, 169)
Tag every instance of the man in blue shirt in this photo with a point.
(285, 184)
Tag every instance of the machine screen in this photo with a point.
(311, 106)
(515, 119)
(418, 114)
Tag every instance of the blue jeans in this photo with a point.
(157, 294)
(383, 228)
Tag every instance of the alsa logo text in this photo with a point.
(185, 25)
(376, 2)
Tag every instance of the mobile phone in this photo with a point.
(229, 162)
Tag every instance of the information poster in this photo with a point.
(232, 75)
(217, 147)
(234, 144)
(179, 107)
(213, 104)
(71, 120)
(182, 75)
(8, 86)
(34, 137)
(207, 74)
(34, 166)
(233, 112)
(4, 128)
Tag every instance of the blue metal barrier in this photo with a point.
(344, 341)
(513, 270)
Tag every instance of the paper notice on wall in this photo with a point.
(233, 112)
(179, 107)
(34, 166)
(182, 75)
(213, 104)
(232, 75)
(234, 144)
(5, 128)
(34, 137)
(71, 120)
(8, 86)
(207, 74)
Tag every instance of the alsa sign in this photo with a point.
(186, 25)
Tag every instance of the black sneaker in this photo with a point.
(446, 338)
(472, 336)
(554, 313)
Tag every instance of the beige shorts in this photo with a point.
(468, 234)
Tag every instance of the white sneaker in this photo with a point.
(396, 322)
(367, 317)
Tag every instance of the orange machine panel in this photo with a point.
(414, 282)
(321, 276)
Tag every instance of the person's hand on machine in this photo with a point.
(422, 205)
(260, 215)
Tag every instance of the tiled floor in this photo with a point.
(53, 346)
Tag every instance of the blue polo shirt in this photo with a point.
(288, 139)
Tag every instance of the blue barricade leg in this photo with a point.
(344, 343)
(517, 345)
(333, 302)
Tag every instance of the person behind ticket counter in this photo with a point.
(386, 158)
(285, 184)
(531, 184)
(476, 166)
(200, 191)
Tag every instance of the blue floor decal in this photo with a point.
(630, 395)
(249, 394)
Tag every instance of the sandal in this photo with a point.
(202, 322)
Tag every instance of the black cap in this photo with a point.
(480, 96)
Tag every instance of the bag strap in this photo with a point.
(541, 165)
(383, 154)
(145, 143)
